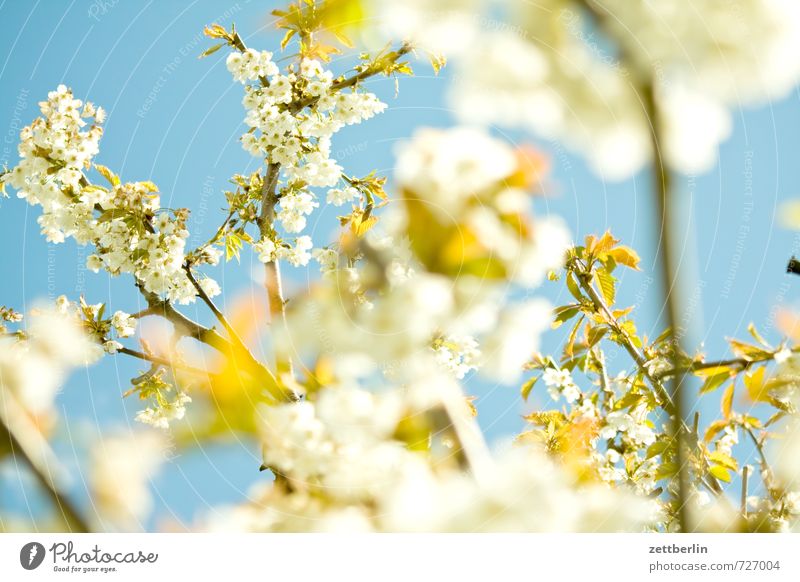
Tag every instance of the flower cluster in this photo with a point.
(292, 117)
(346, 471)
(560, 383)
(162, 410)
(458, 354)
(125, 221)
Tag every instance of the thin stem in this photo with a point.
(212, 306)
(644, 87)
(665, 208)
(239, 349)
(269, 194)
(272, 270)
(584, 280)
(209, 336)
(183, 324)
(28, 444)
(165, 362)
(605, 385)
(217, 235)
(741, 363)
(745, 477)
(376, 69)
(766, 471)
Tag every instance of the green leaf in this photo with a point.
(112, 178)
(714, 382)
(666, 471)
(656, 449)
(565, 313)
(569, 349)
(749, 352)
(233, 244)
(727, 401)
(714, 429)
(113, 214)
(625, 256)
(528, 386)
(607, 286)
(596, 334)
(211, 50)
(756, 385)
(720, 458)
(757, 336)
(720, 473)
(630, 400)
(572, 286)
(437, 62)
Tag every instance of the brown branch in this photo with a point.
(184, 325)
(166, 362)
(239, 351)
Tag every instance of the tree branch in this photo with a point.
(166, 362)
(238, 348)
(28, 444)
(645, 89)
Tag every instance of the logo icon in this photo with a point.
(31, 555)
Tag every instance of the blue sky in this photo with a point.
(175, 120)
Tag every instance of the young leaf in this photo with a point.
(714, 382)
(112, 178)
(749, 352)
(564, 313)
(606, 282)
(625, 256)
(756, 385)
(720, 458)
(211, 50)
(572, 286)
(727, 401)
(757, 336)
(720, 473)
(528, 386)
(666, 471)
(714, 429)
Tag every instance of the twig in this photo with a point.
(644, 87)
(238, 346)
(190, 328)
(584, 280)
(404, 49)
(166, 362)
(741, 363)
(745, 476)
(269, 196)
